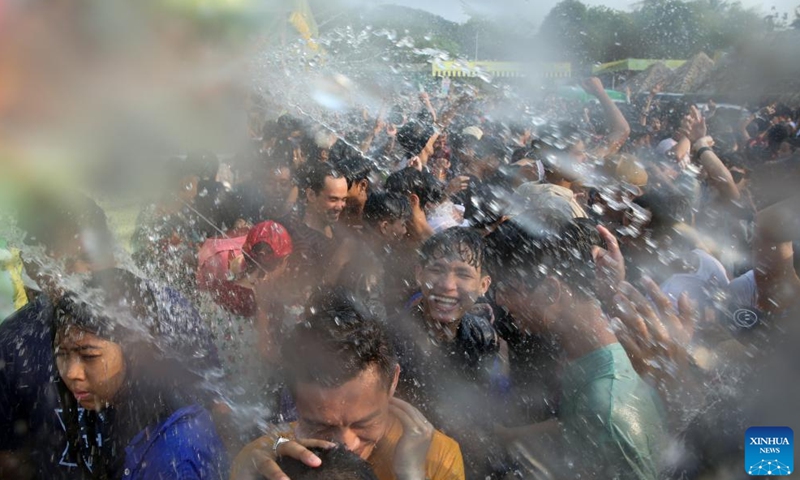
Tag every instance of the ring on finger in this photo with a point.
(280, 441)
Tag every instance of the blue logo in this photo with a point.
(769, 451)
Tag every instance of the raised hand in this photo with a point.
(412, 450)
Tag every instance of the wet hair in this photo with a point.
(491, 200)
(118, 306)
(560, 136)
(338, 341)
(667, 207)
(461, 243)
(121, 301)
(313, 176)
(411, 181)
(414, 135)
(281, 155)
(337, 464)
(386, 206)
(353, 166)
(491, 147)
(532, 247)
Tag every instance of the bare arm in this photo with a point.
(718, 174)
(620, 130)
(777, 283)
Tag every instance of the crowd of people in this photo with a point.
(444, 290)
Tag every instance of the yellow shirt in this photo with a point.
(444, 461)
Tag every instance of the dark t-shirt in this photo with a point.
(30, 408)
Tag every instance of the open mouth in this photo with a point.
(443, 303)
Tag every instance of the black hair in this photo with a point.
(339, 340)
(337, 464)
(491, 147)
(667, 207)
(353, 166)
(414, 135)
(269, 131)
(313, 176)
(776, 135)
(492, 199)
(411, 181)
(456, 242)
(281, 155)
(287, 124)
(560, 136)
(531, 247)
(386, 206)
(118, 306)
(782, 110)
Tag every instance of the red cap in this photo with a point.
(273, 234)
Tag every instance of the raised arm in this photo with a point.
(620, 130)
(718, 174)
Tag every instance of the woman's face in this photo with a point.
(92, 368)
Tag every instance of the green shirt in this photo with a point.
(613, 421)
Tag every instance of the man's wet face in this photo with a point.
(450, 286)
(355, 414)
(330, 201)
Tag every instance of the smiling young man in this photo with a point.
(342, 373)
(446, 343)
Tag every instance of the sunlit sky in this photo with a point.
(455, 10)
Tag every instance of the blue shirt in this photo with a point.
(185, 446)
(30, 408)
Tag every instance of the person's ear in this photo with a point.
(310, 194)
(553, 288)
(362, 185)
(486, 281)
(383, 227)
(413, 199)
(395, 380)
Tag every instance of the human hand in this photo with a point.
(258, 458)
(593, 86)
(457, 184)
(415, 162)
(656, 89)
(610, 265)
(657, 340)
(391, 129)
(412, 449)
(694, 124)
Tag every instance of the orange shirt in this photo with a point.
(444, 461)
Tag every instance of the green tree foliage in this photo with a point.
(654, 29)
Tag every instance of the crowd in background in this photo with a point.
(447, 288)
